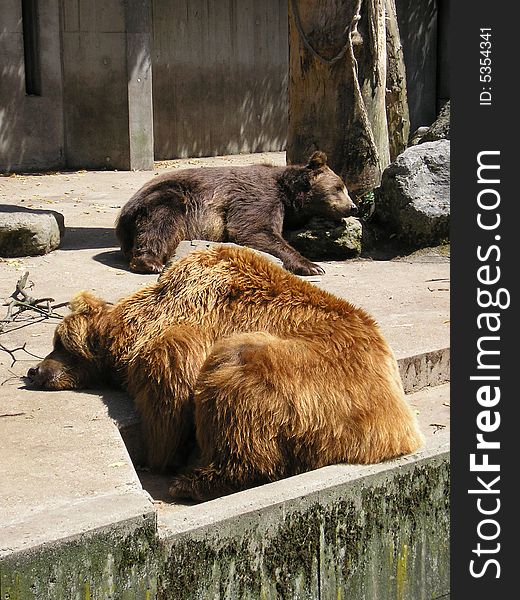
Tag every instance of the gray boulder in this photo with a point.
(26, 232)
(324, 240)
(413, 200)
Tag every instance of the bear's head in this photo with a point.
(74, 362)
(328, 196)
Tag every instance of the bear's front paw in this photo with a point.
(146, 264)
(307, 269)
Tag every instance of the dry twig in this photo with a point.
(21, 302)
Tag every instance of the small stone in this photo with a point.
(187, 246)
(321, 239)
(417, 136)
(440, 130)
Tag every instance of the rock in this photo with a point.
(417, 136)
(413, 200)
(26, 232)
(187, 246)
(325, 240)
(440, 130)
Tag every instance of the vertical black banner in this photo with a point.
(485, 194)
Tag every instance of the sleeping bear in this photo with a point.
(272, 375)
(248, 205)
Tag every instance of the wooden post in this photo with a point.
(397, 114)
(337, 82)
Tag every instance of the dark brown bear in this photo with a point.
(274, 375)
(246, 205)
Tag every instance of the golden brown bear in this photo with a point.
(275, 375)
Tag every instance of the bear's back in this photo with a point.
(224, 280)
(205, 180)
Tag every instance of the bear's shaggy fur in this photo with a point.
(245, 205)
(276, 376)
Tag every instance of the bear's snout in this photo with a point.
(61, 372)
(341, 209)
(49, 375)
(32, 373)
(347, 202)
(37, 376)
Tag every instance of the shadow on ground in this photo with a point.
(112, 258)
(83, 238)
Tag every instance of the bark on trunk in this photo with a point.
(371, 59)
(396, 97)
(337, 87)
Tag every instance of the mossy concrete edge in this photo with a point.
(384, 535)
(116, 560)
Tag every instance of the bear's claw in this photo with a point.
(307, 270)
(145, 265)
(181, 488)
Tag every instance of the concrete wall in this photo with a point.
(219, 76)
(116, 562)
(31, 127)
(107, 83)
(219, 86)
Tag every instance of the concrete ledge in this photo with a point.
(63, 450)
(117, 560)
(423, 370)
(344, 531)
(75, 521)
(340, 532)
(68, 523)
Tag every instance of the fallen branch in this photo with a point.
(21, 301)
(438, 426)
(19, 304)
(21, 348)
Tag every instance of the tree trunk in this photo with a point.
(396, 97)
(371, 72)
(337, 87)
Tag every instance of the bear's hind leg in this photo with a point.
(157, 235)
(245, 416)
(268, 407)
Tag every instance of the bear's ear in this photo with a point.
(85, 303)
(317, 160)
